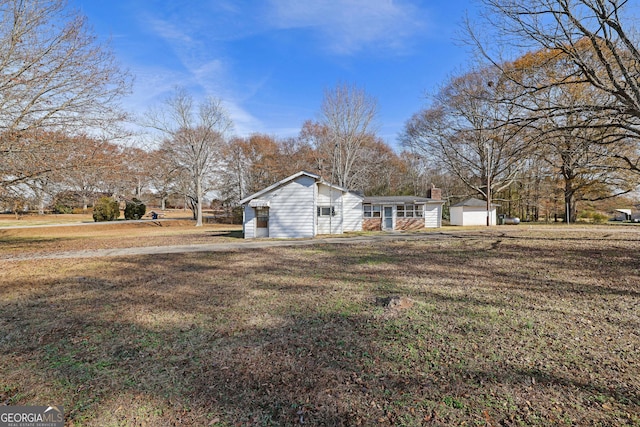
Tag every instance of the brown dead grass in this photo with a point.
(507, 327)
(34, 219)
(121, 234)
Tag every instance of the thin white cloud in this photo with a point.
(209, 73)
(168, 31)
(244, 123)
(196, 36)
(154, 86)
(205, 71)
(199, 45)
(348, 26)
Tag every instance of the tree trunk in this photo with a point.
(40, 198)
(570, 211)
(199, 203)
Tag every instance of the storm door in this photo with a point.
(262, 222)
(387, 219)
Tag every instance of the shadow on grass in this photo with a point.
(286, 336)
(236, 234)
(24, 242)
(7, 237)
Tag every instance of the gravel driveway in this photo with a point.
(224, 247)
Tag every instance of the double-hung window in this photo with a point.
(326, 211)
(409, 211)
(371, 211)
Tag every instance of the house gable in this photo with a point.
(299, 205)
(278, 184)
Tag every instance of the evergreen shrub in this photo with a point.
(106, 209)
(134, 209)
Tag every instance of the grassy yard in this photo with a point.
(513, 326)
(106, 235)
(31, 219)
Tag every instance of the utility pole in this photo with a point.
(488, 185)
(333, 168)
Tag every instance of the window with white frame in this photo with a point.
(326, 211)
(409, 211)
(371, 211)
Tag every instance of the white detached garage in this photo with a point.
(472, 212)
(302, 205)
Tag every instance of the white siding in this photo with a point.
(493, 217)
(292, 210)
(456, 215)
(328, 197)
(293, 205)
(352, 212)
(469, 215)
(433, 215)
(249, 223)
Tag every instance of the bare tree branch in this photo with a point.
(194, 137)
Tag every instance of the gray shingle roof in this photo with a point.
(473, 202)
(397, 200)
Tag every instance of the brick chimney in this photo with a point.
(434, 193)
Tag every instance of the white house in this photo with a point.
(402, 212)
(302, 205)
(472, 212)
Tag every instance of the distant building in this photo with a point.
(472, 212)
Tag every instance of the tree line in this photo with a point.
(552, 107)
(197, 160)
(546, 123)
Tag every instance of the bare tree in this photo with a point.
(469, 132)
(194, 137)
(89, 166)
(54, 76)
(575, 145)
(235, 174)
(57, 161)
(257, 161)
(348, 117)
(597, 38)
(162, 173)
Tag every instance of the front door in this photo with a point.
(387, 223)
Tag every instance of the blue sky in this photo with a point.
(270, 61)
